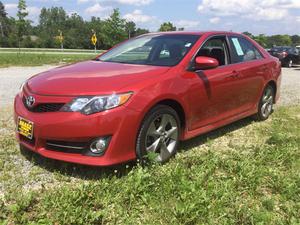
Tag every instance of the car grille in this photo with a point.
(66, 146)
(44, 107)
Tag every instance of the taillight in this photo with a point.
(284, 54)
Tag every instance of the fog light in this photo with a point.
(99, 146)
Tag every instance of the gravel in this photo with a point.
(12, 77)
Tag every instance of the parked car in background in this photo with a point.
(144, 96)
(286, 54)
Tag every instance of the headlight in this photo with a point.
(90, 105)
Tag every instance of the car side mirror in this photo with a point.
(204, 63)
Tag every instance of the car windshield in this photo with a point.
(157, 50)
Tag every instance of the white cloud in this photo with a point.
(293, 4)
(137, 16)
(251, 9)
(98, 10)
(33, 13)
(82, 1)
(134, 2)
(214, 20)
(10, 6)
(125, 2)
(187, 24)
(33, 10)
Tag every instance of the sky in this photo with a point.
(255, 16)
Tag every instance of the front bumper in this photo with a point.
(121, 124)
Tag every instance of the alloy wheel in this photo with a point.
(162, 137)
(267, 103)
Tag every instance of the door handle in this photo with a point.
(234, 75)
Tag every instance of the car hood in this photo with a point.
(91, 78)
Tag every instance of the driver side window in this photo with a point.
(216, 48)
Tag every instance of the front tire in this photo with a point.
(265, 106)
(159, 134)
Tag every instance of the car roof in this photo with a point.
(282, 47)
(196, 33)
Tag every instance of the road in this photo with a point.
(12, 77)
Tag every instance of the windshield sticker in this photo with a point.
(237, 46)
(187, 45)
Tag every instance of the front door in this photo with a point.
(214, 92)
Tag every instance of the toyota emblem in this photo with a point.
(30, 100)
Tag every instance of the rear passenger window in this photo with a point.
(243, 50)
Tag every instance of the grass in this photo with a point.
(41, 50)
(31, 59)
(244, 173)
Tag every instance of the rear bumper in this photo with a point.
(121, 124)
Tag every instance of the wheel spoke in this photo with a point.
(172, 133)
(263, 108)
(164, 152)
(164, 122)
(152, 131)
(267, 95)
(269, 99)
(153, 147)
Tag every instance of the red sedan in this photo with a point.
(144, 96)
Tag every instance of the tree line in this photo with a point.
(21, 32)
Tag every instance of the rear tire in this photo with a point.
(158, 136)
(265, 106)
(289, 63)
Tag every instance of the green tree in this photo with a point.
(130, 28)
(279, 40)
(295, 40)
(77, 33)
(262, 40)
(22, 23)
(248, 34)
(3, 19)
(140, 31)
(167, 26)
(114, 29)
(51, 20)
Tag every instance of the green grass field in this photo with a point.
(32, 59)
(244, 173)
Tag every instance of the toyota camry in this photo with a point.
(144, 96)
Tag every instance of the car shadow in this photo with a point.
(296, 67)
(96, 173)
(76, 170)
